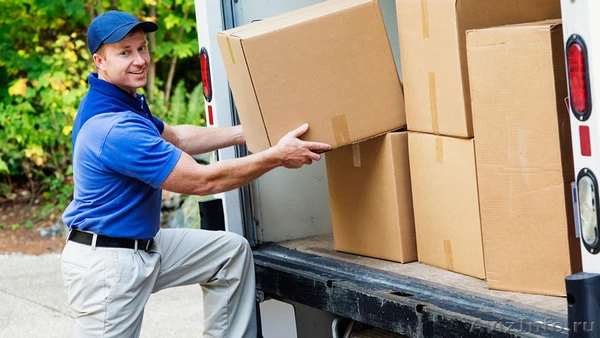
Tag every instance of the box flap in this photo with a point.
(240, 80)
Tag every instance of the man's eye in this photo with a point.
(124, 53)
(143, 48)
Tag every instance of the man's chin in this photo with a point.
(140, 83)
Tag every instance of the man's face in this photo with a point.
(125, 63)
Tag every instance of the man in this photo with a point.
(116, 254)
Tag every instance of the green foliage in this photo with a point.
(44, 64)
(196, 113)
(183, 107)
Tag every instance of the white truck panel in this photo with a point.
(580, 17)
(210, 14)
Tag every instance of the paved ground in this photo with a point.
(33, 303)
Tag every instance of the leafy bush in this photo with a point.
(182, 108)
(45, 70)
(44, 64)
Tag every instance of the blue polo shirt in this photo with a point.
(119, 160)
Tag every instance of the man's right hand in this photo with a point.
(294, 153)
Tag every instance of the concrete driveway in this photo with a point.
(33, 303)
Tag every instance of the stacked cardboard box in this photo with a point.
(441, 150)
(434, 57)
(524, 156)
(329, 65)
(445, 203)
(370, 198)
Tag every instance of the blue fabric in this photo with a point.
(119, 160)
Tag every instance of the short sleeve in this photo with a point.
(160, 125)
(133, 148)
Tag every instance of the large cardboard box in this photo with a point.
(434, 61)
(444, 187)
(524, 156)
(329, 64)
(370, 198)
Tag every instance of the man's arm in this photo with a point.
(191, 178)
(198, 140)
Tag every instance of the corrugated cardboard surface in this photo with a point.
(330, 65)
(444, 186)
(370, 198)
(524, 156)
(434, 64)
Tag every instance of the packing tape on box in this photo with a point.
(433, 104)
(425, 19)
(448, 252)
(439, 149)
(356, 155)
(340, 130)
(230, 50)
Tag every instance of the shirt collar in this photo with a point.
(137, 103)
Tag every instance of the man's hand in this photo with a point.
(294, 153)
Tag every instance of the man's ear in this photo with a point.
(99, 61)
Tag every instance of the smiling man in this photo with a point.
(116, 254)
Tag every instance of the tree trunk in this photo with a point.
(114, 4)
(99, 7)
(90, 6)
(169, 83)
(152, 69)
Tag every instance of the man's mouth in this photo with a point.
(137, 73)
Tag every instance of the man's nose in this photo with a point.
(138, 58)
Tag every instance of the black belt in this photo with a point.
(110, 242)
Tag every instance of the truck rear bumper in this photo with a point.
(396, 303)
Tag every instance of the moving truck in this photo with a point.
(307, 288)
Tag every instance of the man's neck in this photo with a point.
(102, 77)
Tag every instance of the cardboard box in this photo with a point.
(329, 64)
(444, 189)
(524, 156)
(434, 61)
(370, 198)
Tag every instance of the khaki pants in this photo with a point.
(108, 287)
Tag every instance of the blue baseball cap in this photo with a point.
(113, 26)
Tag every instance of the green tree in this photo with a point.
(44, 64)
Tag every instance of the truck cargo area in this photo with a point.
(411, 299)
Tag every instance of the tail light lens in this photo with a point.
(205, 69)
(579, 86)
(587, 191)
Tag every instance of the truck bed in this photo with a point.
(411, 299)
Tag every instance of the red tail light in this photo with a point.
(579, 87)
(204, 67)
